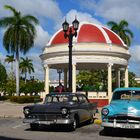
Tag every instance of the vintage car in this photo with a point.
(123, 111)
(70, 109)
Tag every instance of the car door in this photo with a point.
(84, 113)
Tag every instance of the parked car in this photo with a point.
(123, 111)
(69, 109)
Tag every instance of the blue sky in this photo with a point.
(51, 14)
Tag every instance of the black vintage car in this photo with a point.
(70, 109)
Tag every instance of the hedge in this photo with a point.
(3, 98)
(25, 99)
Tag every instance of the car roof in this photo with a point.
(64, 93)
(129, 88)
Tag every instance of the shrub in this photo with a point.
(25, 99)
(3, 98)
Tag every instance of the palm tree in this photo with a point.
(122, 30)
(25, 66)
(19, 35)
(10, 59)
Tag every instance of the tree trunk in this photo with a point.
(25, 77)
(12, 70)
(17, 72)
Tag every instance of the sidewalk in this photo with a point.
(8, 109)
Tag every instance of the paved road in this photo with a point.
(14, 129)
(8, 109)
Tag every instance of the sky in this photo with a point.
(51, 15)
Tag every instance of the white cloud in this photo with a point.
(88, 4)
(43, 8)
(81, 16)
(135, 59)
(116, 9)
(7, 65)
(41, 40)
(42, 37)
(39, 72)
(135, 53)
(38, 67)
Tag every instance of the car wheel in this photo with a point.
(34, 126)
(73, 126)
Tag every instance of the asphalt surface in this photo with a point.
(14, 129)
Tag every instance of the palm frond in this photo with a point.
(26, 66)
(123, 24)
(30, 19)
(7, 21)
(115, 29)
(111, 23)
(127, 40)
(11, 8)
(129, 32)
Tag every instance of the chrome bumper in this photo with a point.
(121, 125)
(46, 122)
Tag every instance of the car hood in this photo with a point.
(124, 107)
(49, 107)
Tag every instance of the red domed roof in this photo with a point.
(89, 33)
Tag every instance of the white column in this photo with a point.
(109, 82)
(126, 77)
(65, 79)
(47, 79)
(73, 78)
(117, 78)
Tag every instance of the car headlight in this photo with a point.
(105, 111)
(26, 111)
(64, 111)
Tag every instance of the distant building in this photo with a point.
(55, 83)
(138, 80)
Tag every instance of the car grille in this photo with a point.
(124, 119)
(48, 117)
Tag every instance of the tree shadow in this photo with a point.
(127, 133)
(8, 138)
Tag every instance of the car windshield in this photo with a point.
(56, 98)
(126, 95)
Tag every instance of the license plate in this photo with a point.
(28, 120)
(128, 126)
(47, 122)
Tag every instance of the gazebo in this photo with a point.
(95, 47)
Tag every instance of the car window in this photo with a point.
(74, 99)
(126, 95)
(63, 99)
(82, 99)
(136, 95)
(122, 95)
(55, 99)
(48, 99)
(85, 99)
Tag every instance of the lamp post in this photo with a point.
(69, 33)
(59, 71)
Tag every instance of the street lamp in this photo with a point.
(59, 71)
(69, 33)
